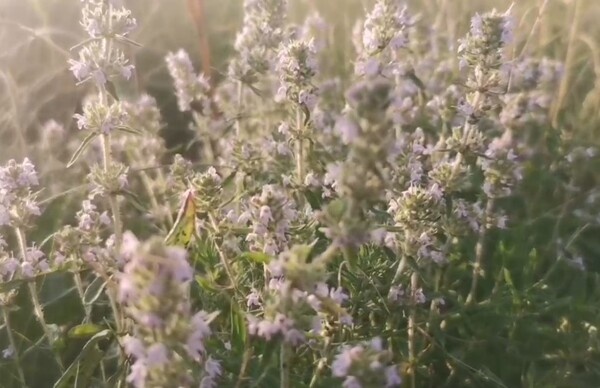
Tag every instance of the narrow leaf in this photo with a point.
(93, 291)
(88, 349)
(88, 139)
(86, 330)
(256, 257)
(130, 130)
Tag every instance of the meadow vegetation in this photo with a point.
(299, 193)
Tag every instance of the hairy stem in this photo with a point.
(479, 253)
(81, 293)
(299, 147)
(37, 306)
(13, 345)
(245, 361)
(224, 260)
(327, 255)
(239, 180)
(284, 364)
(414, 282)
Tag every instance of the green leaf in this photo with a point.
(86, 330)
(212, 316)
(238, 325)
(93, 291)
(511, 285)
(88, 139)
(205, 284)
(87, 358)
(229, 178)
(313, 198)
(16, 283)
(135, 201)
(111, 89)
(337, 208)
(256, 257)
(130, 130)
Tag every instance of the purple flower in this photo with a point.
(133, 346)
(138, 374)
(156, 355)
(392, 377)
(253, 299)
(351, 382)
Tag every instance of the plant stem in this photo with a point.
(37, 306)
(147, 182)
(224, 260)
(245, 361)
(479, 252)
(399, 270)
(320, 367)
(112, 199)
(327, 255)
(414, 280)
(240, 102)
(81, 293)
(13, 344)
(299, 147)
(569, 59)
(239, 180)
(284, 366)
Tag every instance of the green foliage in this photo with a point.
(536, 319)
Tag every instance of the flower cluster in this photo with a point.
(296, 66)
(18, 204)
(208, 189)
(262, 31)
(360, 180)
(97, 61)
(298, 301)
(100, 118)
(366, 365)
(384, 32)
(189, 87)
(167, 338)
(271, 214)
(530, 95)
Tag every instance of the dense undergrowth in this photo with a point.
(401, 196)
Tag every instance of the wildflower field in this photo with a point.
(299, 193)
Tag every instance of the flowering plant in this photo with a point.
(373, 220)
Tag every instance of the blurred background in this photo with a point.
(36, 37)
(39, 95)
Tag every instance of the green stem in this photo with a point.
(81, 293)
(112, 199)
(327, 255)
(399, 270)
(284, 366)
(317, 373)
(414, 280)
(240, 102)
(147, 182)
(224, 260)
(239, 180)
(112, 299)
(299, 148)
(13, 344)
(479, 252)
(245, 361)
(37, 306)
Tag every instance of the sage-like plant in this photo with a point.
(365, 208)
